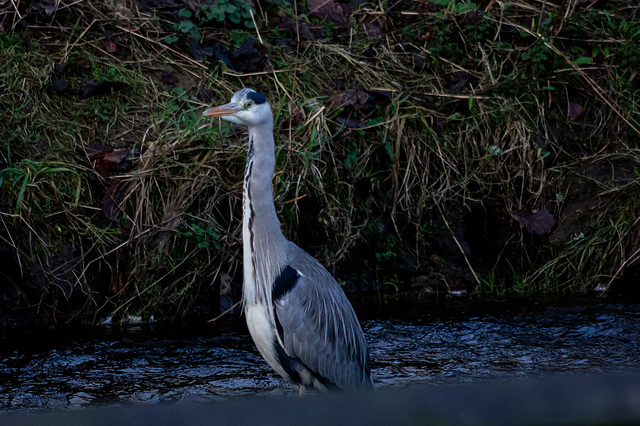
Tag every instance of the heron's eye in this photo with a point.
(248, 105)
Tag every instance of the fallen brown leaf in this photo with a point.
(83, 63)
(117, 283)
(59, 68)
(108, 44)
(329, 9)
(251, 56)
(101, 166)
(116, 156)
(341, 99)
(300, 29)
(169, 78)
(106, 160)
(536, 221)
(46, 6)
(59, 85)
(373, 30)
(92, 89)
(576, 112)
(114, 193)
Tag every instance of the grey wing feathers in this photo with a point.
(319, 326)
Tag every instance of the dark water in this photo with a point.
(145, 364)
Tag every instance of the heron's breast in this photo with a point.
(262, 329)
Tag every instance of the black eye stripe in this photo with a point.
(257, 98)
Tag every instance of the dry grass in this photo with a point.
(475, 126)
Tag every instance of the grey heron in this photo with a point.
(298, 316)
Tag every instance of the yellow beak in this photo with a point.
(222, 110)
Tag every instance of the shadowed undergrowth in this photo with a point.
(435, 146)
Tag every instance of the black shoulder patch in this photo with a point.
(257, 98)
(284, 283)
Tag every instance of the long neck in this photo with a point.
(263, 243)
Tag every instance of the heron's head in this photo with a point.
(247, 108)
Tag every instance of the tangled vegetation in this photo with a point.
(432, 146)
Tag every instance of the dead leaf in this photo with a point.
(169, 78)
(462, 81)
(330, 10)
(576, 112)
(46, 6)
(370, 52)
(426, 37)
(536, 221)
(304, 30)
(351, 123)
(96, 150)
(106, 160)
(380, 98)
(83, 63)
(251, 56)
(108, 45)
(116, 156)
(356, 99)
(59, 85)
(117, 282)
(373, 30)
(419, 63)
(209, 49)
(114, 193)
(60, 67)
(92, 89)
(101, 166)
(297, 117)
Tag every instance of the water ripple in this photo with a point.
(72, 369)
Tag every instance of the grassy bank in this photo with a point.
(422, 147)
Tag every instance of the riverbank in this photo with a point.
(424, 148)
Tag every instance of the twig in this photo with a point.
(225, 312)
(253, 19)
(295, 199)
(439, 95)
(251, 74)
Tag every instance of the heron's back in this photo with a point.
(318, 326)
